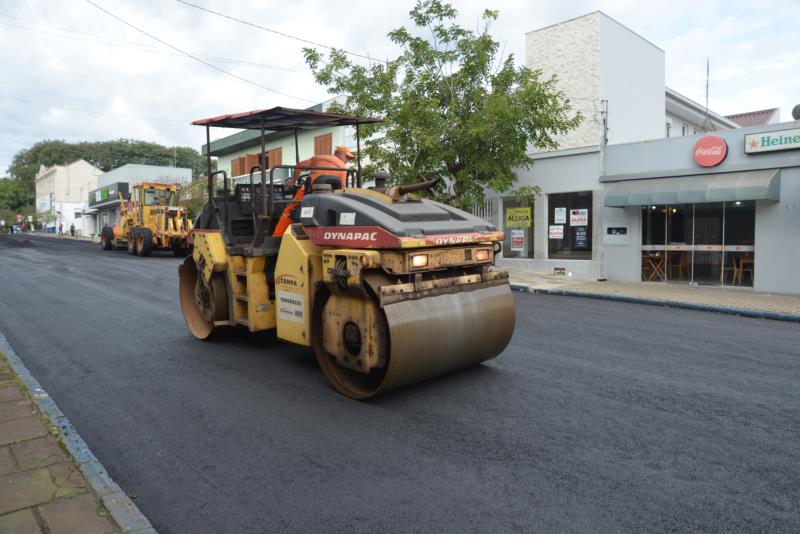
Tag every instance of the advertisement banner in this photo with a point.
(556, 231)
(581, 238)
(561, 216)
(771, 141)
(518, 217)
(517, 240)
(578, 217)
(43, 203)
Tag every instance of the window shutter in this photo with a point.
(323, 145)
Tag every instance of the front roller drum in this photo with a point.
(203, 304)
(422, 338)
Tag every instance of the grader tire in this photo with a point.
(132, 243)
(107, 238)
(144, 242)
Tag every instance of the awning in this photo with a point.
(723, 187)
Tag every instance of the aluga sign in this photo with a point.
(771, 141)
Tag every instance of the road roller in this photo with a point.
(388, 288)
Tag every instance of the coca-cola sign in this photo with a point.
(710, 151)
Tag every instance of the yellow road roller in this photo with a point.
(386, 287)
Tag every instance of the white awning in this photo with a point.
(723, 187)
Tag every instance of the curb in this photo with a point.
(119, 505)
(743, 312)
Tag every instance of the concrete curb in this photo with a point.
(744, 312)
(119, 505)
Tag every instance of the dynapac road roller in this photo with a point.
(387, 288)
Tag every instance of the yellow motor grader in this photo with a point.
(387, 288)
(150, 219)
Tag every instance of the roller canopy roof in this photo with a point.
(283, 119)
(731, 186)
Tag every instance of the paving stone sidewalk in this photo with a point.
(733, 300)
(41, 488)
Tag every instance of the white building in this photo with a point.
(616, 199)
(62, 190)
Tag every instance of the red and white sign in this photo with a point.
(710, 151)
(579, 217)
(556, 231)
(19, 217)
(517, 240)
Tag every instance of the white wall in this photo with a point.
(570, 51)
(777, 253)
(632, 80)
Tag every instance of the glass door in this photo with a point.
(708, 225)
(680, 224)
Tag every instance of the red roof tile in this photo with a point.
(753, 118)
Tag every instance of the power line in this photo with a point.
(94, 112)
(142, 47)
(187, 54)
(276, 32)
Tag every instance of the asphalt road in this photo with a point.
(600, 416)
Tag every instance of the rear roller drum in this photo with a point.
(202, 303)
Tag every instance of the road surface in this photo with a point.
(600, 416)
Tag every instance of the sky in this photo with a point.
(71, 71)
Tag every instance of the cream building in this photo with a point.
(62, 190)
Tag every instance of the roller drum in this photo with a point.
(431, 336)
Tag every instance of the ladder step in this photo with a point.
(243, 322)
(241, 274)
(241, 297)
(222, 323)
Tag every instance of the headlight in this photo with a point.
(419, 260)
(482, 255)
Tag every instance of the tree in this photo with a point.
(105, 155)
(453, 109)
(14, 195)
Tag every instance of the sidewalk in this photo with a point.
(737, 301)
(42, 485)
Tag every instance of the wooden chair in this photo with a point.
(734, 269)
(746, 266)
(681, 267)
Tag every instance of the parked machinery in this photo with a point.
(387, 288)
(150, 219)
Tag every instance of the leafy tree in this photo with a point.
(453, 108)
(14, 195)
(105, 155)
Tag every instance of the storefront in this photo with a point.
(721, 210)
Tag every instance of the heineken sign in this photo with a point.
(771, 141)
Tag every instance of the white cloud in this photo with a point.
(750, 45)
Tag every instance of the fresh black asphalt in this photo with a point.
(599, 417)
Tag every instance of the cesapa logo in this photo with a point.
(351, 236)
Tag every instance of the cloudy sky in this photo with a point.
(72, 72)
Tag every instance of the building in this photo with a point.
(238, 153)
(103, 201)
(61, 191)
(615, 79)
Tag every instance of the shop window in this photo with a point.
(570, 226)
(323, 145)
(518, 228)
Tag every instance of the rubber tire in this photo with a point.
(144, 242)
(132, 242)
(107, 238)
